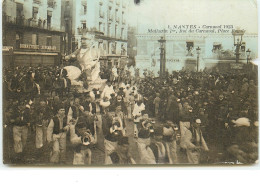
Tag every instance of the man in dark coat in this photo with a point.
(20, 119)
(172, 109)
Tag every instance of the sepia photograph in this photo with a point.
(128, 83)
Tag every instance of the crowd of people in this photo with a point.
(184, 113)
(213, 99)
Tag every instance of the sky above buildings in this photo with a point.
(158, 14)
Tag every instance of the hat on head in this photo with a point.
(198, 121)
(242, 122)
(60, 106)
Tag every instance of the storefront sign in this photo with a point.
(29, 46)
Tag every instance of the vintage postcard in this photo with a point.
(130, 82)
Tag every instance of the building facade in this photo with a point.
(181, 50)
(105, 19)
(32, 33)
(131, 45)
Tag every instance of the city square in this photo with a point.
(85, 85)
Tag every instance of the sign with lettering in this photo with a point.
(29, 46)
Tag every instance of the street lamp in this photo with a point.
(162, 42)
(198, 57)
(248, 58)
(238, 37)
(248, 55)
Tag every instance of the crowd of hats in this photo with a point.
(230, 93)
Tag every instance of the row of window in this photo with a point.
(102, 28)
(35, 39)
(35, 10)
(110, 47)
(101, 12)
(110, 15)
(117, 30)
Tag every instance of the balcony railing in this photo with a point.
(36, 23)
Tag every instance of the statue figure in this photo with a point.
(87, 58)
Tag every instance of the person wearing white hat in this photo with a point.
(139, 107)
(129, 101)
(114, 73)
(108, 90)
(244, 146)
